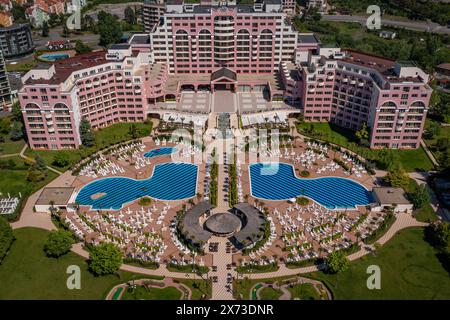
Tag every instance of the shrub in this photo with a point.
(337, 262)
(58, 243)
(105, 259)
(305, 173)
(6, 238)
(302, 201)
(145, 201)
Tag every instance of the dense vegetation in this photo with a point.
(6, 238)
(105, 258)
(413, 9)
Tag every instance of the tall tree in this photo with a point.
(109, 28)
(86, 134)
(45, 29)
(130, 15)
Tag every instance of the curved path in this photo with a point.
(286, 294)
(167, 282)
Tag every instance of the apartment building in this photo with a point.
(350, 88)
(16, 40)
(224, 46)
(103, 87)
(5, 90)
(197, 39)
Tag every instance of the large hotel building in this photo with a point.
(220, 45)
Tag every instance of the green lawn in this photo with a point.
(11, 147)
(305, 291)
(27, 273)
(269, 293)
(15, 181)
(199, 288)
(104, 137)
(409, 270)
(411, 160)
(21, 67)
(152, 293)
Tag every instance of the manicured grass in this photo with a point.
(409, 270)
(27, 273)
(411, 160)
(269, 293)
(11, 147)
(15, 181)
(103, 138)
(21, 67)
(152, 293)
(305, 291)
(199, 288)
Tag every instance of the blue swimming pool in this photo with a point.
(170, 181)
(54, 56)
(280, 183)
(160, 152)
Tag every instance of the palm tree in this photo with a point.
(358, 235)
(52, 207)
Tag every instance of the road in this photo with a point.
(55, 35)
(407, 24)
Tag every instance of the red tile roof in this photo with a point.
(65, 67)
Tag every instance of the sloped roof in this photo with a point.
(223, 72)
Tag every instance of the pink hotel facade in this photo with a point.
(240, 48)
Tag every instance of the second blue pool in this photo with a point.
(160, 152)
(272, 182)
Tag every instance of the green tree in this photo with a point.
(38, 170)
(45, 29)
(17, 112)
(61, 159)
(440, 235)
(130, 16)
(18, 13)
(420, 196)
(396, 177)
(58, 243)
(109, 28)
(16, 132)
(363, 133)
(6, 238)
(133, 132)
(81, 48)
(86, 134)
(337, 262)
(105, 259)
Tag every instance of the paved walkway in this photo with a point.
(22, 155)
(221, 259)
(30, 218)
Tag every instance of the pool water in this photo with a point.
(54, 56)
(278, 182)
(160, 152)
(170, 181)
